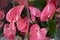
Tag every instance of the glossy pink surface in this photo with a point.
(23, 25)
(48, 12)
(9, 30)
(36, 33)
(14, 13)
(34, 12)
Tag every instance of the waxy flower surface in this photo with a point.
(48, 12)
(36, 33)
(34, 13)
(15, 15)
(9, 31)
(23, 25)
(15, 18)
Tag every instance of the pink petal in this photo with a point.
(23, 25)
(44, 31)
(35, 28)
(36, 33)
(52, 10)
(34, 12)
(1, 24)
(14, 13)
(1, 14)
(33, 32)
(9, 30)
(47, 12)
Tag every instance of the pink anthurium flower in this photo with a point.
(36, 33)
(14, 13)
(1, 24)
(9, 31)
(48, 12)
(34, 13)
(23, 25)
(1, 14)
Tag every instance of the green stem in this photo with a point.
(28, 13)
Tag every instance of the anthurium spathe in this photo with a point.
(36, 33)
(1, 14)
(48, 12)
(14, 13)
(34, 13)
(23, 25)
(9, 31)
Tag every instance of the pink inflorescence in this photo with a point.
(22, 24)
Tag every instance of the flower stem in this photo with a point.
(28, 13)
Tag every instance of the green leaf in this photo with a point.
(40, 4)
(58, 32)
(43, 24)
(24, 13)
(51, 28)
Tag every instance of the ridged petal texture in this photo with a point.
(9, 31)
(36, 33)
(23, 25)
(35, 12)
(48, 12)
(14, 13)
